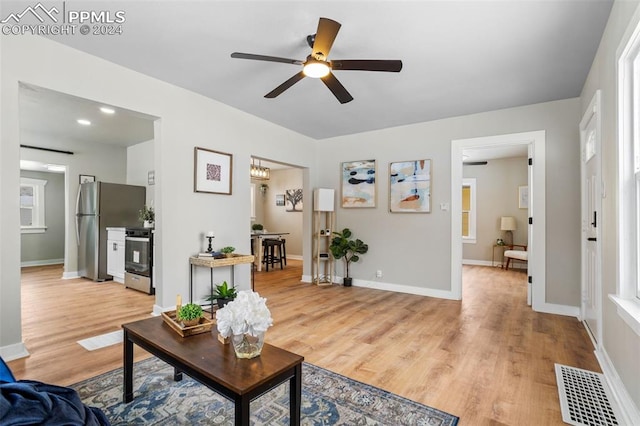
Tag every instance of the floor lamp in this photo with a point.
(508, 224)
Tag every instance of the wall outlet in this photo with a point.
(378, 274)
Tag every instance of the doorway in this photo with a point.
(279, 202)
(535, 141)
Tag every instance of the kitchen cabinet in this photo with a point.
(115, 253)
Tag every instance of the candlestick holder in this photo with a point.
(210, 248)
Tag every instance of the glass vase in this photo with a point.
(246, 345)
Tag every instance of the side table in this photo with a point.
(211, 263)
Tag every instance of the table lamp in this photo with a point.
(508, 223)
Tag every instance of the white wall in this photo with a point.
(186, 120)
(413, 250)
(140, 161)
(620, 344)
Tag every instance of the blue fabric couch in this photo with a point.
(27, 402)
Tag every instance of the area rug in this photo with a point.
(327, 399)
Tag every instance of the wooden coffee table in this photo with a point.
(215, 365)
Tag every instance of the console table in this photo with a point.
(216, 366)
(211, 263)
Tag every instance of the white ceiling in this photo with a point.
(459, 57)
(54, 115)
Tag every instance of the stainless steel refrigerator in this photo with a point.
(98, 206)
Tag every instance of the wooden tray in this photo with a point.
(170, 318)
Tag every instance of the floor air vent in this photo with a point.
(584, 397)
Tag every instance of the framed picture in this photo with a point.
(87, 178)
(523, 197)
(293, 198)
(279, 199)
(212, 171)
(410, 186)
(358, 184)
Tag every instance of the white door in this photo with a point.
(591, 218)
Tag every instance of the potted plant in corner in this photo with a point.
(190, 314)
(344, 247)
(148, 216)
(223, 294)
(228, 251)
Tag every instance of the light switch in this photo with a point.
(444, 207)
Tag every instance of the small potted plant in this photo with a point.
(228, 251)
(257, 228)
(148, 216)
(223, 294)
(344, 247)
(190, 314)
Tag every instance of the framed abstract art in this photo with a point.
(410, 186)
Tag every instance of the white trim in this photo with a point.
(14, 351)
(400, 288)
(629, 311)
(41, 262)
(628, 410)
(306, 279)
(552, 308)
(294, 257)
(536, 140)
(626, 224)
(70, 275)
(477, 262)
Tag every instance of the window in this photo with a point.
(469, 211)
(627, 298)
(32, 205)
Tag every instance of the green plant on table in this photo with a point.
(257, 227)
(190, 311)
(227, 250)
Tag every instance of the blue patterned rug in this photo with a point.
(327, 399)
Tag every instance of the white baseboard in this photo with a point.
(15, 351)
(70, 275)
(566, 310)
(42, 262)
(294, 256)
(478, 262)
(630, 414)
(398, 288)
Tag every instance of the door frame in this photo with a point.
(594, 109)
(537, 195)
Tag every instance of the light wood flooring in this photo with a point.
(487, 359)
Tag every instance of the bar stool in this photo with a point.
(284, 250)
(270, 258)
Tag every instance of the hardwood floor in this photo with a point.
(488, 358)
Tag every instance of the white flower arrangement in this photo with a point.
(246, 314)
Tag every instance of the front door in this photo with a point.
(591, 218)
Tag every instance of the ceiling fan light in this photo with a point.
(316, 69)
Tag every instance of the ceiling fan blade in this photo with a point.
(325, 35)
(240, 55)
(284, 86)
(366, 65)
(337, 88)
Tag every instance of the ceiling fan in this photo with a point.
(318, 66)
